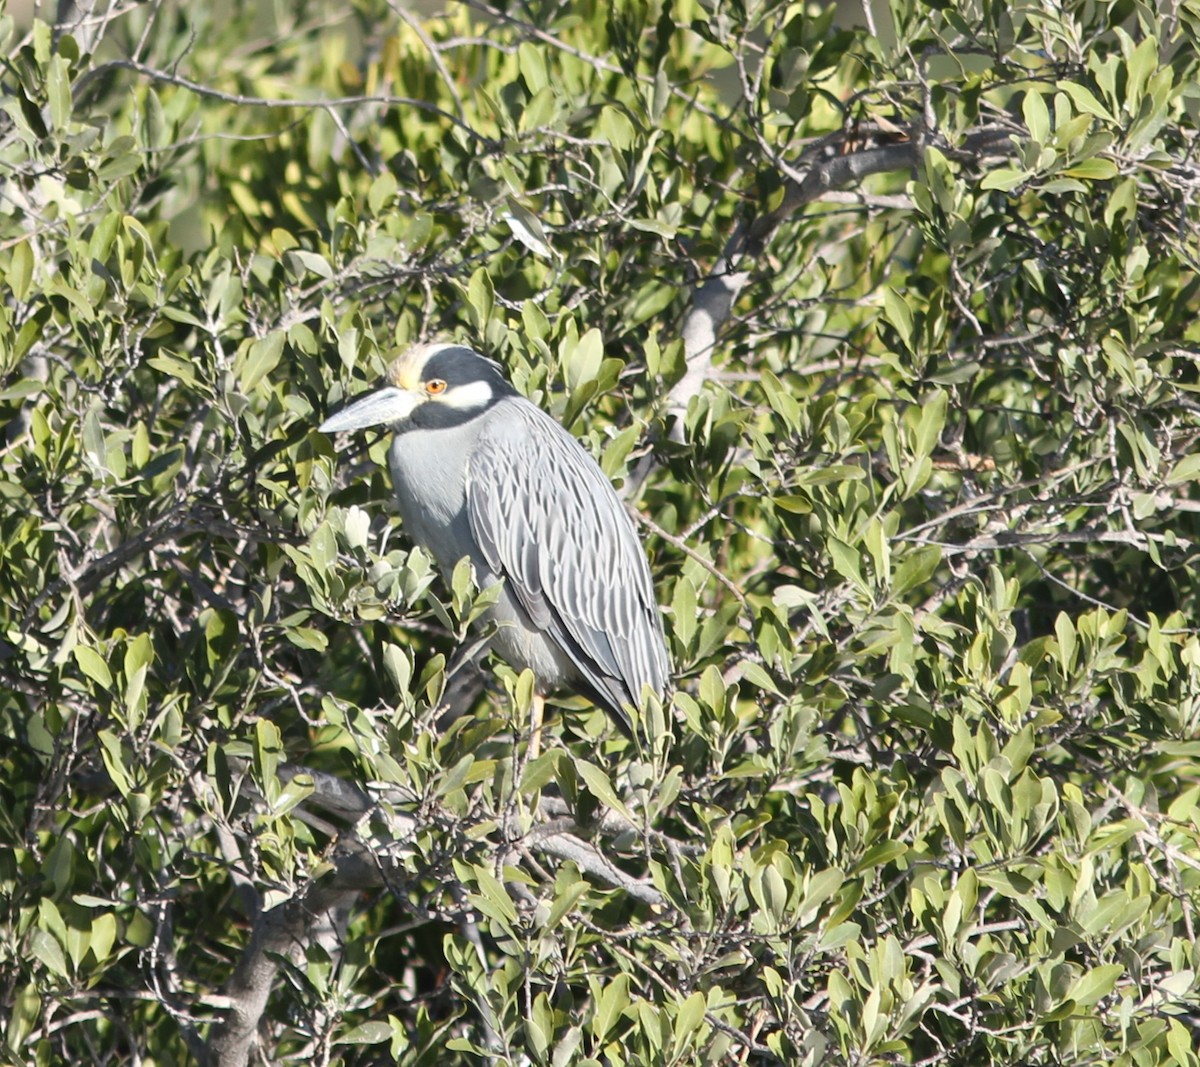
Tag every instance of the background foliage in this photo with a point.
(923, 521)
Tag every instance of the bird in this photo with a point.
(482, 472)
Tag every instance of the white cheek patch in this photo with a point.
(468, 397)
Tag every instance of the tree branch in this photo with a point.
(281, 933)
(827, 165)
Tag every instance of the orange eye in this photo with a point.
(435, 386)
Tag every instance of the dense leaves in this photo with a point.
(923, 522)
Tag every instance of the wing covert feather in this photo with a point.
(549, 521)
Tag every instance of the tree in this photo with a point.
(883, 320)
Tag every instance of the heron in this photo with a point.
(481, 472)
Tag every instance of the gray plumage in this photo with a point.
(481, 472)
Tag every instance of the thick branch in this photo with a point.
(365, 864)
(281, 933)
(361, 863)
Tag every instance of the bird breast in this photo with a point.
(429, 475)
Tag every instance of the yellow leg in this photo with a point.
(537, 711)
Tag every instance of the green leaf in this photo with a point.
(493, 899)
(1181, 1044)
(600, 787)
(897, 311)
(1139, 67)
(528, 230)
(1037, 117)
(1186, 470)
(261, 357)
(368, 1033)
(398, 666)
(382, 191)
(582, 362)
(616, 129)
(879, 855)
(565, 902)
(481, 299)
(1092, 169)
(268, 751)
(25, 1008)
(610, 1004)
(1065, 632)
(1004, 178)
(829, 475)
(58, 92)
(845, 561)
(1096, 984)
(821, 887)
(298, 789)
(20, 270)
(307, 637)
(877, 542)
(915, 569)
(688, 1019)
(139, 654)
(793, 505)
(93, 665)
(684, 612)
(1085, 100)
(533, 67)
(114, 762)
(540, 111)
(45, 947)
(300, 263)
(103, 936)
(930, 425)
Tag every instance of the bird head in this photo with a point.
(428, 387)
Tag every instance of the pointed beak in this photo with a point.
(385, 407)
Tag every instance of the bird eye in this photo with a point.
(435, 386)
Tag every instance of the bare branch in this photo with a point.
(330, 104)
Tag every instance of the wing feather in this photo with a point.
(548, 520)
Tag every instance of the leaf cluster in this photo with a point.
(926, 789)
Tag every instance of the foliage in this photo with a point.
(924, 538)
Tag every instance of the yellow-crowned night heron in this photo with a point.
(481, 472)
